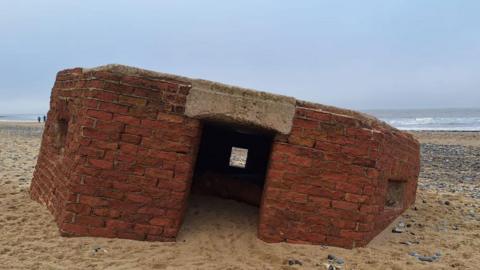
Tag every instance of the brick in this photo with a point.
(170, 232)
(320, 201)
(91, 151)
(103, 95)
(352, 234)
(327, 146)
(148, 229)
(158, 173)
(372, 173)
(106, 212)
(334, 176)
(90, 103)
(101, 232)
(140, 131)
(99, 114)
(91, 221)
(172, 118)
(317, 115)
(78, 208)
(129, 138)
(304, 123)
(135, 101)
(126, 207)
(325, 192)
(126, 187)
(127, 158)
(95, 134)
(126, 119)
(160, 221)
(178, 186)
(350, 188)
(106, 145)
(101, 164)
(300, 140)
(349, 197)
(366, 227)
(344, 205)
(110, 127)
(345, 224)
(369, 209)
(296, 197)
(139, 198)
(114, 108)
(163, 155)
(129, 148)
(300, 161)
(94, 84)
(118, 224)
(92, 201)
(153, 124)
(83, 189)
(131, 235)
(109, 193)
(152, 211)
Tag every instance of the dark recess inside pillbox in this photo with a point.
(232, 162)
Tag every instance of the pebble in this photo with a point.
(294, 262)
(450, 168)
(399, 228)
(334, 259)
(97, 249)
(422, 258)
(408, 243)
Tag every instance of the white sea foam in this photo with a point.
(446, 119)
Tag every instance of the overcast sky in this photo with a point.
(355, 54)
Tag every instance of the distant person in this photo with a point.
(44, 118)
(39, 119)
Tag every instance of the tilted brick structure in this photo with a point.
(120, 147)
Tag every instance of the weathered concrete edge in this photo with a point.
(241, 107)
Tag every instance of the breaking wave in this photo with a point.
(448, 119)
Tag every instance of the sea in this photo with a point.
(21, 117)
(412, 119)
(431, 119)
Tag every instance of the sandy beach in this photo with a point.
(220, 234)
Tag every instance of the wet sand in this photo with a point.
(220, 234)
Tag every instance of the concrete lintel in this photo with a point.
(225, 103)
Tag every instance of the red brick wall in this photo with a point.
(129, 155)
(326, 182)
(399, 160)
(126, 165)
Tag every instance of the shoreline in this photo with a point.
(16, 121)
(440, 130)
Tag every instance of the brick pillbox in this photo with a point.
(120, 146)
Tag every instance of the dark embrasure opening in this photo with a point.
(232, 162)
(395, 193)
(61, 130)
